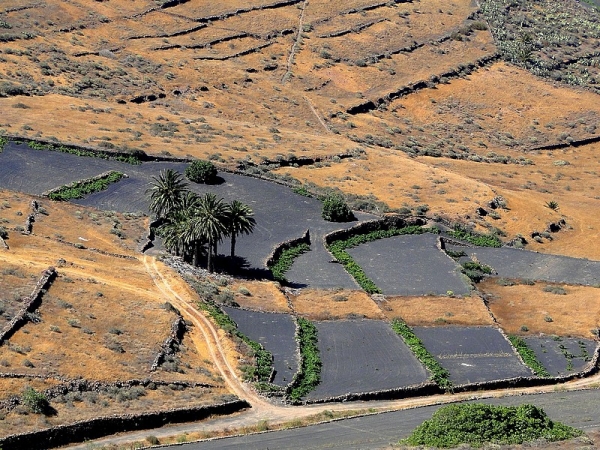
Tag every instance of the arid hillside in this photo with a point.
(440, 103)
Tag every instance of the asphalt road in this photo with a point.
(580, 409)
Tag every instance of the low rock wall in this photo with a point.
(103, 426)
(280, 248)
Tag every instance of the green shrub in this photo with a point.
(309, 375)
(80, 189)
(35, 401)
(335, 209)
(201, 171)
(285, 261)
(528, 356)
(476, 271)
(481, 240)
(439, 375)
(135, 157)
(476, 424)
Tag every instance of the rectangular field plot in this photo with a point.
(363, 356)
(409, 265)
(472, 354)
(562, 355)
(276, 333)
(515, 263)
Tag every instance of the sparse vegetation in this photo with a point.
(309, 374)
(528, 356)
(80, 189)
(481, 240)
(285, 261)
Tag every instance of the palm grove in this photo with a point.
(192, 225)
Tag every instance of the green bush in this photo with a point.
(80, 189)
(476, 271)
(439, 375)
(335, 209)
(309, 375)
(135, 158)
(35, 401)
(201, 171)
(481, 240)
(528, 356)
(285, 261)
(476, 424)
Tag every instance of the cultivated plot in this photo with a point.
(363, 356)
(409, 265)
(472, 354)
(276, 333)
(562, 355)
(515, 263)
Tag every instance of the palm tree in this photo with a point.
(209, 222)
(239, 221)
(166, 192)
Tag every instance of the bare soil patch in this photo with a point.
(431, 310)
(263, 296)
(334, 304)
(573, 314)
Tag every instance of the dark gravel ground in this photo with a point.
(472, 354)
(548, 351)
(363, 356)
(409, 265)
(515, 263)
(276, 332)
(35, 171)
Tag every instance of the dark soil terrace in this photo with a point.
(515, 263)
(409, 265)
(472, 354)
(363, 356)
(556, 359)
(276, 332)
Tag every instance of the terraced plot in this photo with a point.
(363, 356)
(562, 355)
(409, 265)
(472, 354)
(515, 263)
(276, 333)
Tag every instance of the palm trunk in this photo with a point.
(232, 246)
(209, 260)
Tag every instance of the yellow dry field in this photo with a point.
(259, 296)
(336, 304)
(574, 314)
(102, 319)
(428, 310)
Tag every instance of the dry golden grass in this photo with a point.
(263, 296)
(334, 304)
(427, 310)
(573, 314)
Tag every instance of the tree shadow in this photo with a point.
(239, 266)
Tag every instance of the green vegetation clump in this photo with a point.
(80, 189)
(439, 375)
(476, 424)
(476, 271)
(309, 375)
(528, 356)
(338, 249)
(481, 240)
(285, 261)
(35, 401)
(135, 158)
(335, 209)
(201, 171)
(3, 142)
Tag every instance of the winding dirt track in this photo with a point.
(175, 291)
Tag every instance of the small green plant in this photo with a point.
(475, 270)
(152, 440)
(481, 240)
(528, 356)
(558, 290)
(201, 171)
(309, 375)
(476, 424)
(439, 375)
(335, 209)
(35, 401)
(553, 205)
